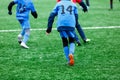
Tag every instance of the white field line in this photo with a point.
(40, 29)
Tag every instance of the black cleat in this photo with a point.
(78, 44)
(87, 40)
(19, 42)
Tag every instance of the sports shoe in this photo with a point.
(88, 7)
(19, 38)
(87, 40)
(78, 44)
(71, 60)
(24, 45)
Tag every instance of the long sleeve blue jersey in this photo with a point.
(23, 8)
(66, 11)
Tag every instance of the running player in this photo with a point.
(22, 14)
(67, 18)
(78, 26)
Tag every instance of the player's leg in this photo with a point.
(88, 3)
(77, 39)
(21, 34)
(111, 4)
(71, 37)
(25, 38)
(81, 33)
(71, 47)
(26, 34)
(71, 50)
(64, 36)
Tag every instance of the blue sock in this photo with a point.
(66, 52)
(26, 37)
(23, 32)
(72, 48)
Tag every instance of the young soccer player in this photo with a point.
(67, 18)
(78, 26)
(22, 14)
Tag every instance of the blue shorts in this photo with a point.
(66, 34)
(24, 23)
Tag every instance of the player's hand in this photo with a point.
(10, 13)
(48, 30)
(47, 33)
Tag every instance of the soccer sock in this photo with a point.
(87, 3)
(72, 48)
(22, 32)
(26, 36)
(66, 52)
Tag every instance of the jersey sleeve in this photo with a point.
(76, 10)
(55, 9)
(32, 7)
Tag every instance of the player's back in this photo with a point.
(23, 8)
(66, 13)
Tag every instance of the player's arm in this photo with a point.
(76, 18)
(34, 14)
(33, 11)
(11, 4)
(50, 22)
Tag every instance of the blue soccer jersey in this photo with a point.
(23, 9)
(66, 11)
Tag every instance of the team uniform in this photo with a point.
(78, 26)
(80, 2)
(67, 16)
(22, 14)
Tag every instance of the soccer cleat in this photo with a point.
(19, 38)
(24, 45)
(19, 42)
(87, 40)
(78, 44)
(88, 7)
(71, 60)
